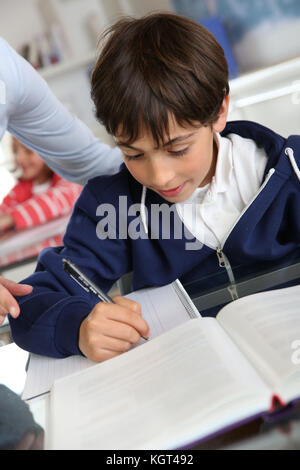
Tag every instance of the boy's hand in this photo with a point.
(111, 329)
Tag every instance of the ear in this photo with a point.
(220, 123)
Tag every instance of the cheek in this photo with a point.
(199, 163)
(194, 166)
(36, 165)
(137, 170)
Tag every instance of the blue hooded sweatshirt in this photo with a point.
(267, 230)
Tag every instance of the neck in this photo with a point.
(43, 177)
(211, 172)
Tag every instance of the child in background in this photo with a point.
(39, 195)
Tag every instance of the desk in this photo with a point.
(27, 244)
(268, 276)
(282, 433)
(260, 435)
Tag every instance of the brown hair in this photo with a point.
(157, 65)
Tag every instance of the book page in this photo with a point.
(161, 308)
(265, 327)
(169, 392)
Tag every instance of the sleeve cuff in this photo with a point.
(67, 327)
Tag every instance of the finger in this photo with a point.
(14, 288)
(102, 355)
(115, 345)
(120, 332)
(121, 315)
(8, 303)
(128, 303)
(3, 311)
(2, 318)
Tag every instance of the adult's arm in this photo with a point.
(30, 111)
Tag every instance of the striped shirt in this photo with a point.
(29, 207)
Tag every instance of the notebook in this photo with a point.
(162, 307)
(188, 384)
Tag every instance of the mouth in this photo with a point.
(173, 191)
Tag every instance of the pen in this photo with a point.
(86, 283)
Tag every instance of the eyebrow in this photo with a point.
(175, 140)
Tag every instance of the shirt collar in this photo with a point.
(224, 167)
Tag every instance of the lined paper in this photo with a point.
(161, 308)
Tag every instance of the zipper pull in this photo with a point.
(224, 263)
(233, 292)
(221, 258)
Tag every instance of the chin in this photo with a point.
(175, 199)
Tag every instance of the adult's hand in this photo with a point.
(7, 302)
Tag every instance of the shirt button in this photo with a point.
(208, 196)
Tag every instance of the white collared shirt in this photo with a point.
(211, 212)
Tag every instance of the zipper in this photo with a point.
(222, 258)
(224, 263)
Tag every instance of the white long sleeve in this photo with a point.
(30, 111)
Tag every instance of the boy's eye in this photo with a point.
(133, 157)
(179, 153)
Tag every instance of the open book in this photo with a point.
(189, 383)
(163, 308)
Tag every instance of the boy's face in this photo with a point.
(186, 161)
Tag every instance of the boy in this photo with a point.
(164, 95)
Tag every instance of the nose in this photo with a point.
(161, 174)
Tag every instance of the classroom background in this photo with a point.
(59, 38)
(260, 39)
